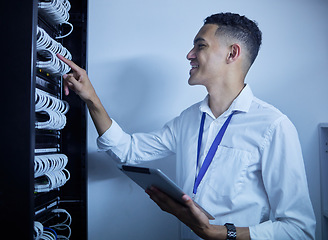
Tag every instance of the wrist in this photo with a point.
(93, 102)
(231, 231)
(99, 115)
(216, 232)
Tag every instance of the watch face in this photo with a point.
(232, 235)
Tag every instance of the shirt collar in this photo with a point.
(242, 103)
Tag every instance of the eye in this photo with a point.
(201, 45)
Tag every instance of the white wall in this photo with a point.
(136, 54)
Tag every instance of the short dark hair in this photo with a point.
(240, 28)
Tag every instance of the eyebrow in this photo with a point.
(198, 40)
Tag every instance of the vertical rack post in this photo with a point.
(74, 135)
(18, 58)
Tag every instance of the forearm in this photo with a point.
(218, 232)
(192, 216)
(99, 115)
(243, 233)
(79, 82)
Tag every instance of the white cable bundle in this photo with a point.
(57, 12)
(52, 232)
(48, 48)
(53, 107)
(48, 234)
(38, 230)
(44, 41)
(48, 163)
(44, 100)
(52, 180)
(64, 225)
(52, 65)
(43, 233)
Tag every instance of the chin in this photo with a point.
(192, 81)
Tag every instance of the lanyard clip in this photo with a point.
(193, 196)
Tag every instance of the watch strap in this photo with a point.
(231, 231)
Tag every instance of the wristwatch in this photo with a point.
(231, 231)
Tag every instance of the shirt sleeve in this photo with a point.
(285, 182)
(137, 147)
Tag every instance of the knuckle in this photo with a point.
(83, 71)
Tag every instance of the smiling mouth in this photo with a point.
(193, 68)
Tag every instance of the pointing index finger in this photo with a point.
(70, 63)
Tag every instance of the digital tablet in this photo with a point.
(147, 177)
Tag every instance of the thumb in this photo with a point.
(70, 79)
(190, 203)
(66, 88)
(187, 200)
(70, 82)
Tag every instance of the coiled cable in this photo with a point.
(63, 225)
(53, 107)
(54, 231)
(51, 180)
(48, 163)
(47, 47)
(56, 12)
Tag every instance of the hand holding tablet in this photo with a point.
(148, 177)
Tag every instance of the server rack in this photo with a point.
(20, 206)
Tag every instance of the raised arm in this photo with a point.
(79, 82)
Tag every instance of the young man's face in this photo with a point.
(208, 57)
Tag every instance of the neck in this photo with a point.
(221, 97)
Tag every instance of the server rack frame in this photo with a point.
(18, 203)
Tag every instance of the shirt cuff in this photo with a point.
(263, 231)
(110, 138)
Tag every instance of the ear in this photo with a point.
(234, 53)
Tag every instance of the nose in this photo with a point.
(191, 55)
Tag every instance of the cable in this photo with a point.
(45, 101)
(44, 41)
(38, 230)
(53, 107)
(48, 48)
(51, 180)
(43, 233)
(54, 231)
(50, 232)
(64, 225)
(56, 12)
(69, 24)
(48, 163)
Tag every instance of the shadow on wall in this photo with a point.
(139, 93)
(101, 167)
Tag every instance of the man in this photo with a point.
(244, 153)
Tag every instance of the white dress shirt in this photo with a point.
(257, 169)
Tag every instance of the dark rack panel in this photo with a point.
(42, 200)
(20, 206)
(48, 84)
(47, 139)
(51, 29)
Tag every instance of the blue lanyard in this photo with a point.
(211, 152)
